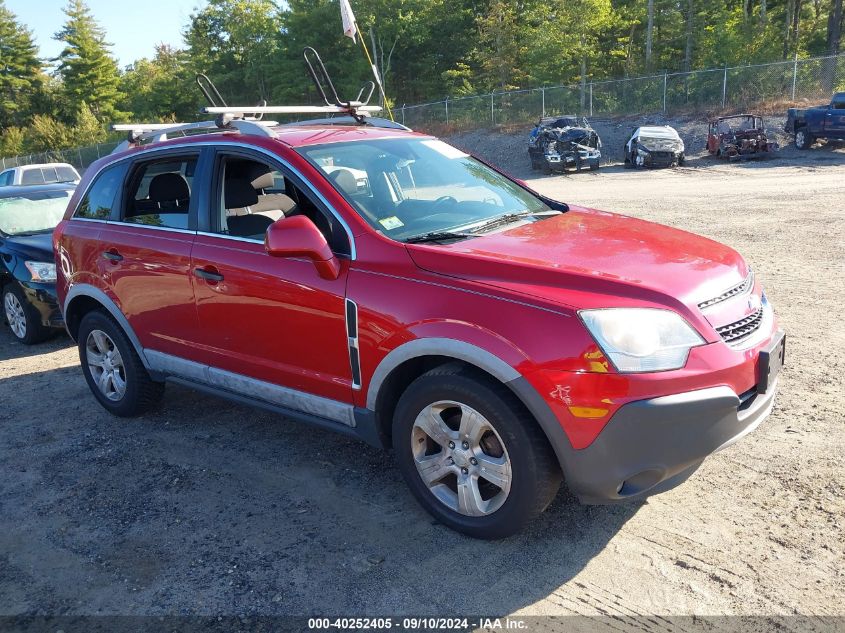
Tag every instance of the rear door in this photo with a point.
(146, 249)
(272, 319)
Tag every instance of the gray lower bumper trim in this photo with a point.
(651, 445)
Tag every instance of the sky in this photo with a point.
(133, 27)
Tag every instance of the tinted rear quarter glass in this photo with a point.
(102, 195)
(32, 177)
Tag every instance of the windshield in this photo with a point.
(32, 212)
(407, 187)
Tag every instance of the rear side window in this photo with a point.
(102, 195)
(32, 177)
(159, 193)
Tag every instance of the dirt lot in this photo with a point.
(211, 508)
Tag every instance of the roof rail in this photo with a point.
(138, 132)
(353, 109)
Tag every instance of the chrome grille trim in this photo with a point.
(737, 331)
(743, 287)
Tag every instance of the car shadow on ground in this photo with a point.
(11, 348)
(206, 507)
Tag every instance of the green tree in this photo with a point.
(20, 70)
(88, 71)
(161, 88)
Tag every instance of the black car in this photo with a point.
(28, 216)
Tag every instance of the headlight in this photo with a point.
(642, 339)
(42, 271)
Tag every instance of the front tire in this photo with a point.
(112, 368)
(22, 317)
(471, 454)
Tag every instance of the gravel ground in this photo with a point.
(206, 507)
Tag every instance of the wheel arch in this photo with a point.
(409, 361)
(81, 299)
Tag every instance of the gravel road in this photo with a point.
(206, 507)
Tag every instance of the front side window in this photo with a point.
(33, 177)
(100, 198)
(32, 212)
(6, 178)
(159, 193)
(408, 187)
(253, 194)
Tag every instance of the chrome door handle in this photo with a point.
(208, 275)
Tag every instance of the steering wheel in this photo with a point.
(443, 200)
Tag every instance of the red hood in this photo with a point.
(582, 256)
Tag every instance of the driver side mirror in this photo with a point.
(298, 236)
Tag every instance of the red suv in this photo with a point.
(388, 286)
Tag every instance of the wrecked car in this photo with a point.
(739, 136)
(558, 143)
(654, 146)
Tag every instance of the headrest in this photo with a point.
(344, 180)
(265, 181)
(169, 187)
(259, 174)
(239, 193)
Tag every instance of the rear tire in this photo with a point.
(21, 316)
(803, 139)
(112, 368)
(452, 405)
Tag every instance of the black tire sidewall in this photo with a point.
(521, 504)
(128, 404)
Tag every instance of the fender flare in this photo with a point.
(92, 292)
(488, 362)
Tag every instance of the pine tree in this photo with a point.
(20, 69)
(89, 73)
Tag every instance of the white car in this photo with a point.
(654, 146)
(42, 174)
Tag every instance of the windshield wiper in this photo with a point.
(507, 218)
(437, 236)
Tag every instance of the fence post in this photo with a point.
(591, 99)
(492, 116)
(447, 110)
(725, 87)
(794, 75)
(665, 83)
(543, 93)
(403, 114)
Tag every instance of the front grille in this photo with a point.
(744, 286)
(662, 155)
(742, 329)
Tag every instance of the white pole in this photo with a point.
(591, 99)
(794, 75)
(665, 82)
(543, 92)
(447, 110)
(492, 116)
(725, 87)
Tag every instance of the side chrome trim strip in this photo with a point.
(352, 337)
(142, 154)
(239, 384)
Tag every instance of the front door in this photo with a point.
(273, 320)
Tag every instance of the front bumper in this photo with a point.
(43, 298)
(650, 446)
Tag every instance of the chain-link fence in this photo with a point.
(735, 88)
(79, 157)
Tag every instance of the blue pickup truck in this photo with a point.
(810, 124)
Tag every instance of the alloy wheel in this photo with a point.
(15, 315)
(799, 139)
(461, 458)
(106, 365)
